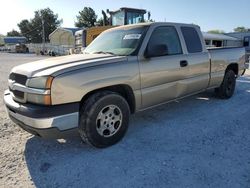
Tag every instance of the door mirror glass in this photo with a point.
(156, 50)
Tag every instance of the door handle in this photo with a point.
(183, 63)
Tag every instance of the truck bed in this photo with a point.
(220, 58)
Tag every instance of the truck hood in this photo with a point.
(59, 65)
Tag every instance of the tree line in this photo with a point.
(240, 29)
(32, 29)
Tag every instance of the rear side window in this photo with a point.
(192, 39)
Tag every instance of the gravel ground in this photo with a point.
(200, 141)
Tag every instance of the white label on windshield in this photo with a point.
(132, 36)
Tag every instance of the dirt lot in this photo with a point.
(201, 141)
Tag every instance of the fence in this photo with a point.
(36, 48)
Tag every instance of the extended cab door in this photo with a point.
(171, 75)
(198, 59)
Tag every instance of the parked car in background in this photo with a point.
(21, 48)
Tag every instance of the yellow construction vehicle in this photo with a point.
(123, 16)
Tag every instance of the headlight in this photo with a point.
(43, 83)
(40, 82)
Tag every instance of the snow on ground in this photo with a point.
(200, 141)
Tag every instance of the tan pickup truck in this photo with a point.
(124, 70)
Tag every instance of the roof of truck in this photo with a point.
(152, 23)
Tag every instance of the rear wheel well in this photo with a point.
(124, 90)
(234, 67)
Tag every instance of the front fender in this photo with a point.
(73, 86)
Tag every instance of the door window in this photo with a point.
(168, 36)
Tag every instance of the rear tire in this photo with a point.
(104, 119)
(226, 89)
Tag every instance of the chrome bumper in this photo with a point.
(39, 119)
(62, 122)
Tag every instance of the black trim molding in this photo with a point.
(39, 111)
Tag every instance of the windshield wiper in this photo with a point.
(102, 52)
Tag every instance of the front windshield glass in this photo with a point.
(121, 42)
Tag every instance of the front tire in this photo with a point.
(104, 119)
(226, 89)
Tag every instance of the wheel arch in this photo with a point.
(123, 89)
(234, 67)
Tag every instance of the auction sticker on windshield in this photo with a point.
(132, 36)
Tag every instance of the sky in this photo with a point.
(209, 14)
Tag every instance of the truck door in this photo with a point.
(179, 72)
(197, 59)
(161, 76)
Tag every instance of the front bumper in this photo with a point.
(45, 121)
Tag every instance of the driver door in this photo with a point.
(162, 76)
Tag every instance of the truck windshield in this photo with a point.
(122, 42)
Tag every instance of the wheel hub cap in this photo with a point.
(109, 121)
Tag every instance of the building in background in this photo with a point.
(14, 40)
(245, 37)
(63, 36)
(13, 43)
(239, 35)
(221, 40)
(1, 40)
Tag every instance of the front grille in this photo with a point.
(18, 94)
(18, 78)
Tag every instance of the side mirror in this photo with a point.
(156, 50)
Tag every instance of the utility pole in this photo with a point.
(43, 33)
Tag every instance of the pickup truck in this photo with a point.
(124, 70)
